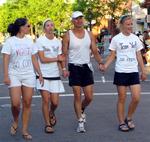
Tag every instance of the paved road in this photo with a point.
(101, 116)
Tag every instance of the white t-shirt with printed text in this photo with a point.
(52, 48)
(20, 51)
(126, 48)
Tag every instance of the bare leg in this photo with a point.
(77, 100)
(45, 105)
(15, 96)
(121, 103)
(45, 109)
(135, 91)
(88, 93)
(54, 101)
(54, 97)
(27, 94)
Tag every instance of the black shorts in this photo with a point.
(126, 79)
(80, 75)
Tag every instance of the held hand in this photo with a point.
(41, 80)
(65, 73)
(102, 67)
(6, 80)
(143, 76)
(61, 58)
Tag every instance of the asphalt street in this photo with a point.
(101, 126)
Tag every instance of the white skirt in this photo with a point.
(52, 86)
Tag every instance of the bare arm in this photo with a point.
(94, 49)
(37, 68)
(141, 64)
(44, 59)
(65, 46)
(6, 59)
(36, 64)
(110, 58)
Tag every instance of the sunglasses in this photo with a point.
(28, 26)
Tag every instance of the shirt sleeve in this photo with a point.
(6, 49)
(139, 45)
(34, 49)
(113, 45)
(39, 46)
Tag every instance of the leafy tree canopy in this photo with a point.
(59, 11)
(36, 11)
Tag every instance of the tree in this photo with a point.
(98, 9)
(36, 11)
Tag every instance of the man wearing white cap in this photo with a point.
(78, 44)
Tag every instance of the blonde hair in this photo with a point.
(122, 19)
(45, 21)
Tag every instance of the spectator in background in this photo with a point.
(146, 42)
(100, 42)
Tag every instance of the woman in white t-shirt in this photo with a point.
(49, 51)
(125, 47)
(19, 59)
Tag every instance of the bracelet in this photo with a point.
(64, 69)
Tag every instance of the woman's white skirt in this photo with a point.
(52, 86)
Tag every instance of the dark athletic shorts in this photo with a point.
(126, 79)
(80, 75)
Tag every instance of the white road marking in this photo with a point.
(2, 84)
(96, 81)
(9, 105)
(69, 95)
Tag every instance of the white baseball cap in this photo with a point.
(76, 14)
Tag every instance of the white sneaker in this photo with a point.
(80, 128)
(83, 116)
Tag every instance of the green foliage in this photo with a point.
(97, 9)
(117, 6)
(36, 11)
(92, 9)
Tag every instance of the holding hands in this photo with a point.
(102, 67)
(61, 58)
(143, 76)
(41, 80)
(65, 72)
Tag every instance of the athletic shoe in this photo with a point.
(83, 116)
(80, 128)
